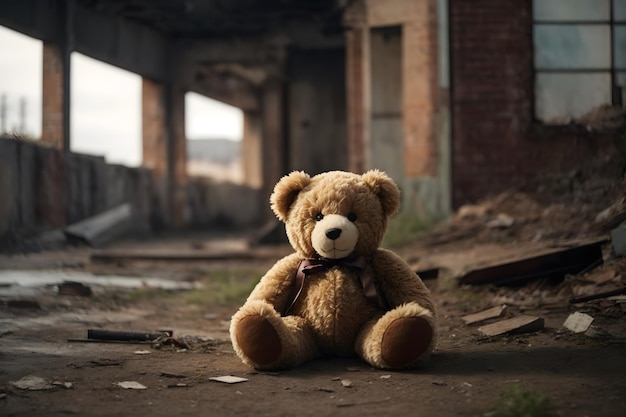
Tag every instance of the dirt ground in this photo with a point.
(580, 374)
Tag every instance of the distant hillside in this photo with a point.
(220, 151)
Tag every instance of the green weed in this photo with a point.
(404, 228)
(224, 287)
(517, 401)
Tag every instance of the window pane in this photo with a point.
(620, 46)
(572, 46)
(619, 10)
(564, 10)
(565, 95)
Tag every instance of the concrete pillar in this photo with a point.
(178, 157)
(154, 127)
(421, 87)
(251, 150)
(165, 148)
(52, 131)
(274, 149)
(356, 117)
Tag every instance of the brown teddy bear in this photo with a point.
(339, 293)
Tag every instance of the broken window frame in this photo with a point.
(616, 74)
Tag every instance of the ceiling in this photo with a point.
(202, 18)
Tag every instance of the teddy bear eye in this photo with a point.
(352, 216)
(319, 216)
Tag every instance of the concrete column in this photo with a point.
(274, 149)
(52, 132)
(251, 150)
(421, 87)
(178, 157)
(165, 147)
(154, 127)
(356, 99)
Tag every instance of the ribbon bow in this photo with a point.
(312, 265)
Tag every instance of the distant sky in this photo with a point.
(105, 103)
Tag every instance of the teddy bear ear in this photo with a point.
(385, 188)
(286, 191)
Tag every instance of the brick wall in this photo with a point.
(496, 143)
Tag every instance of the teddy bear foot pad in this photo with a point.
(405, 340)
(259, 340)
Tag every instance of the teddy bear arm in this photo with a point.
(276, 286)
(399, 284)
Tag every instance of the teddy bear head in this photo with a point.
(335, 214)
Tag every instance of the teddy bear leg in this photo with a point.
(401, 338)
(265, 340)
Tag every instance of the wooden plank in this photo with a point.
(605, 294)
(552, 263)
(516, 325)
(490, 313)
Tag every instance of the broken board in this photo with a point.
(547, 264)
(516, 325)
(490, 313)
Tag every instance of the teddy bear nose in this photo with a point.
(333, 233)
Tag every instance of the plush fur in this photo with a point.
(336, 215)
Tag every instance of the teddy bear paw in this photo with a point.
(405, 340)
(258, 340)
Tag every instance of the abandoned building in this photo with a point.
(454, 99)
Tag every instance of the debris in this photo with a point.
(102, 227)
(597, 333)
(578, 322)
(179, 385)
(49, 277)
(74, 288)
(602, 277)
(551, 263)
(32, 383)
(67, 385)
(362, 403)
(346, 383)
(439, 383)
(168, 375)
(30, 304)
(618, 240)
(122, 336)
(516, 325)
(131, 385)
(502, 221)
(228, 379)
(430, 273)
(161, 255)
(326, 389)
(605, 294)
(490, 313)
(142, 352)
(385, 376)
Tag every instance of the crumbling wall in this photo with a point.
(43, 188)
(496, 141)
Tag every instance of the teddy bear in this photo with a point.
(339, 293)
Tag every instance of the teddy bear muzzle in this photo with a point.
(334, 237)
